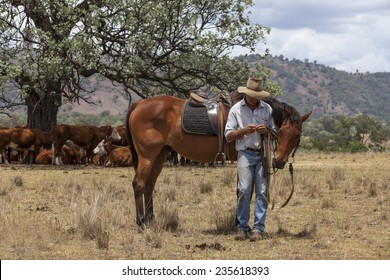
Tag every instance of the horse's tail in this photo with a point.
(129, 137)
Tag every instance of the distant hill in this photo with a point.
(326, 90)
(306, 86)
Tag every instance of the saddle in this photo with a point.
(217, 109)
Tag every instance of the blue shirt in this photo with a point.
(240, 116)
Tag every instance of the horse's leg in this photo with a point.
(142, 185)
(151, 182)
(139, 189)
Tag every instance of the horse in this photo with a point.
(154, 129)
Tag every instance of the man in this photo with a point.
(249, 121)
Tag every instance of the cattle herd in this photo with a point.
(66, 144)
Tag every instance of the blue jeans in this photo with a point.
(250, 167)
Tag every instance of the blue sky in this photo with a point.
(349, 35)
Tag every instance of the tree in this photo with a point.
(369, 129)
(329, 123)
(48, 47)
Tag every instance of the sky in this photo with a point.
(348, 35)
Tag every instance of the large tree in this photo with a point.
(47, 48)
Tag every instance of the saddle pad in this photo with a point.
(195, 120)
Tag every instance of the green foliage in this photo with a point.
(340, 133)
(104, 118)
(151, 47)
(13, 120)
(321, 140)
(356, 147)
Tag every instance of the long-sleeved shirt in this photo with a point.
(240, 116)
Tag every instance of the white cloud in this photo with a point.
(347, 35)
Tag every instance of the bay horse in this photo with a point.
(154, 129)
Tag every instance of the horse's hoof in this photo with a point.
(142, 227)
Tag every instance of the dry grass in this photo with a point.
(340, 210)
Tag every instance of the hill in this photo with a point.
(105, 96)
(326, 90)
(306, 86)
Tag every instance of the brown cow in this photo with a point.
(104, 148)
(87, 137)
(69, 155)
(117, 155)
(44, 157)
(98, 160)
(122, 132)
(120, 157)
(23, 139)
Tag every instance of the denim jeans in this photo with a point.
(250, 167)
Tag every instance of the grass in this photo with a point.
(340, 210)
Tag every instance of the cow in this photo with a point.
(69, 155)
(76, 155)
(87, 137)
(43, 139)
(23, 139)
(104, 148)
(120, 157)
(98, 160)
(44, 157)
(122, 132)
(117, 155)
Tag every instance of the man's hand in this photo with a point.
(250, 129)
(262, 129)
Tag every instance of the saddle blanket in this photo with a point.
(195, 120)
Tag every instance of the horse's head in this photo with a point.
(289, 136)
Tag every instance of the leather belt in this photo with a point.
(255, 150)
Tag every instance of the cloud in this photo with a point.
(347, 35)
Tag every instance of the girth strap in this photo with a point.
(221, 128)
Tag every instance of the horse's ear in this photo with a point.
(306, 116)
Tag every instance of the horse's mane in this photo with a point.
(278, 111)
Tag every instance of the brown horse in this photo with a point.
(154, 129)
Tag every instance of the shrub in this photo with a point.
(225, 221)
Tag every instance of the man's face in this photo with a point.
(251, 101)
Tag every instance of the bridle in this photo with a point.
(291, 160)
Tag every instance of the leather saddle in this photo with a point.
(217, 111)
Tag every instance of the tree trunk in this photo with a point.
(42, 110)
(42, 114)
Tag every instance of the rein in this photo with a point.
(291, 170)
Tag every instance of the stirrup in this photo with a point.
(222, 154)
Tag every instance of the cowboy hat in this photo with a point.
(254, 89)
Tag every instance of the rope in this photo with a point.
(275, 189)
(267, 164)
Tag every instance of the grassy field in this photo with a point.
(340, 210)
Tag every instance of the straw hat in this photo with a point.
(254, 89)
